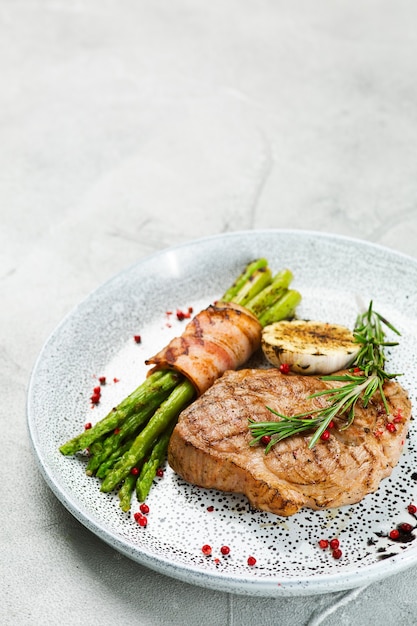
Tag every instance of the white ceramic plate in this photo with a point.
(333, 274)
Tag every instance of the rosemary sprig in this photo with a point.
(365, 377)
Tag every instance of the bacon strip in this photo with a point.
(219, 338)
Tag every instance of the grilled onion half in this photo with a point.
(309, 347)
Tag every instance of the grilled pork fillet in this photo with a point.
(219, 338)
(210, 444)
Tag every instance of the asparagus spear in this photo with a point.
(134, 422)
(149, 468)
(126, 491)
(271, 293)
(127, 407)
(260, 279)
(169, 410)
(241, 280)
(284, 308)
(105, 466)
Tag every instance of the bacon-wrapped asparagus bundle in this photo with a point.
(221, 337)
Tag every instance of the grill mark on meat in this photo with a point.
(370, 453)
(210, 444)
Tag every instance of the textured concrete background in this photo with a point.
(129, 126)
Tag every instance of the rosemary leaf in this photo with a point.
(365, 377)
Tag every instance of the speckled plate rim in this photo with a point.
(247, 582)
